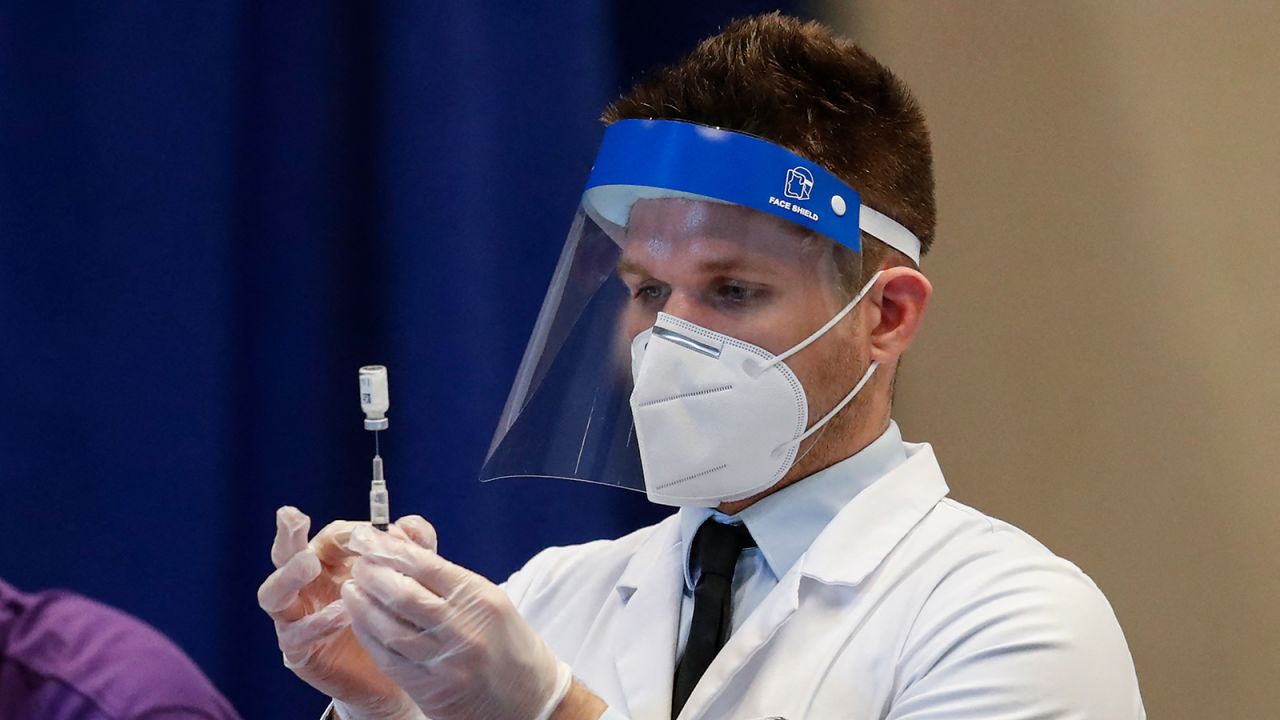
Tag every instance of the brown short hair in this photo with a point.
(820, 96)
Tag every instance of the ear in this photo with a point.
(898, 302)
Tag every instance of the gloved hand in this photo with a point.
(448, 636)
(303, 598)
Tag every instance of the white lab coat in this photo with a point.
(907, 606)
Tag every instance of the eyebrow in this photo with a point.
(627, 265)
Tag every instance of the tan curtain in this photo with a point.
(1101, 365)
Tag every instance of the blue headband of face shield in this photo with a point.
(646, 159)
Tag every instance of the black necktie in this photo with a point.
(717, 547)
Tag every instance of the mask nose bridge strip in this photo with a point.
(830, 323)
(687, 342)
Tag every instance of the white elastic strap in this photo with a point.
(564, 679)
(890, 232)
(830, 323)
(840, 406)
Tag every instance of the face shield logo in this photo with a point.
(799, 183)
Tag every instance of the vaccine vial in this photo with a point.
(374, 397)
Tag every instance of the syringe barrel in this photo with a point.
(379, 505)
(379, 499)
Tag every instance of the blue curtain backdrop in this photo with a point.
(212, 213)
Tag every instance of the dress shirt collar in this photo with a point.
(787, 522)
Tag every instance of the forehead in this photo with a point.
(664, 228)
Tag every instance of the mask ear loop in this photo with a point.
(866, 376)
(840, 405)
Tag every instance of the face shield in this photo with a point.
(707, 238)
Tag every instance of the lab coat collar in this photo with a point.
(649, 588)
(648, 557)
(853, 544)
(864, 533)
(847, 550)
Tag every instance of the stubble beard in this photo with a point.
(834, 441)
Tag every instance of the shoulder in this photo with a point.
(566, 593)
(992, 567)
(75, 648)
(974, 550)
(1001, 609)
(581, 567)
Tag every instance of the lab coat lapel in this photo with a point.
(645, 643)
(853, 545)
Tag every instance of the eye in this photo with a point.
(649, 293)
(735, 293)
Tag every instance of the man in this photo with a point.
(65, 657)
(723, 332)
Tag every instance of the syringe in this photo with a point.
(375, 401)
(379, 500)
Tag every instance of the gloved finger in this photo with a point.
(403, 597)
(396, 531)
(292, 526)
(432, 571)
(395, 665)
(280, 593)
(419, 530)
(371, 544)
(432, 687)
(300, 640)
(383, 627)
(331, 543)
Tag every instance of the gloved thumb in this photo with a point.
(426, 566)
(292, 526)
(419, 531)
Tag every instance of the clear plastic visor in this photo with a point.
(734, 270)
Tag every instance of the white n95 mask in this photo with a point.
(718, 419)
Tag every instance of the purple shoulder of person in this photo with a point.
(66, 657)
